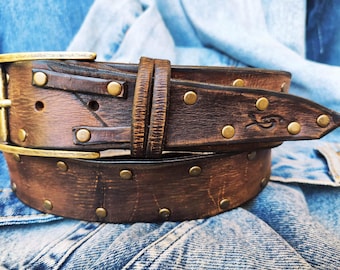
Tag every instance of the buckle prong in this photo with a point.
(5, 103)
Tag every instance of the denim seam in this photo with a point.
(19, 218)
(25, 216)
(331, 163)
(303, 181)
(45, 251)
(185, 13)
(320, 38)
(284, 241)
(77, 244)
(144, 250)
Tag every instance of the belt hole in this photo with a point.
(93, 105)
(39, 105)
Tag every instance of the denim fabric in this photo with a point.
(40, 25)
(291, 225)
(322, 33)
(307, 162)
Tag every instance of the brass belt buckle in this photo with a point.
(25, 56)
(6, 103)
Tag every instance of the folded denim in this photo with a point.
(281, 228)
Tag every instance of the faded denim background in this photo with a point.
(293, 224)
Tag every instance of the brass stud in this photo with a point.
(264, 182)
(323, 120)
(251, 155)
(294, 128)
(190, 98)
(228, 132)
(83, 135)
(17, 157)
(22, 135)
(125, 174)
(224, 204)
(39, 78)
(195, 171)
(238, 83)
(284, 87)
(164, 213)
(14, 187)
(101, 212)
(47, 204)
(262, 104)
(62, 166)
(114, 88)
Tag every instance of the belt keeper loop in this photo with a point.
(140, 107)
(159, 107)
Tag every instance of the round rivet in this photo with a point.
(125, 174)
(251, 155)
(264, 182)
(224, 204)
(195, 171)
(228, 132)
(83, 135)
(47, 204)
(294, 128)
(190, 98)
(114, 88)
(323, 120)
(262, 103)
(62, 166)
(238, 83)
(101, 212)
(39, 78)
(164, 213)
(17, 157)
(284, 87)
(14, 187)
(22, 135)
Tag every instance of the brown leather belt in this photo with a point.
(118, 142)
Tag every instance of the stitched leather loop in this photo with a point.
(160, 97)
(140, 109)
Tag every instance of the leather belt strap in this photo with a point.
(173, 188)
(116, 142)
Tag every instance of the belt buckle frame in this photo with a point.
(6, 103)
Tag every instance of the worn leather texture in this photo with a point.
(196, 140)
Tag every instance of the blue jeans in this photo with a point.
(292, 224)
